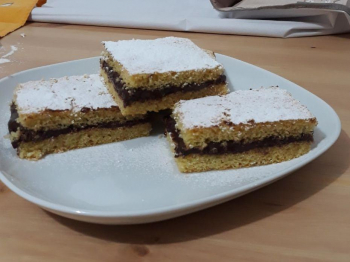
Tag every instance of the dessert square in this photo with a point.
(242, 129)
(152, 75)
(68, 113)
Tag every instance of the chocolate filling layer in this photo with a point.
(27, 135)
(13, 125)
(231, 147)
(140, 94)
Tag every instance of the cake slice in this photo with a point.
(242, 129)
(152, 75)
(68, 113)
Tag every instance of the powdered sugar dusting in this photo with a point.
(66, 93)
(13, 50)
(3, 58)
(261, 105)
(160, 55)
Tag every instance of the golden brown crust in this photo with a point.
(255, 157)
(81, 139)
(198, 137)
(50, 119)
(158, 80)
(60, 102)
(167, 102)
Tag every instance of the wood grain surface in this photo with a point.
(303, 217)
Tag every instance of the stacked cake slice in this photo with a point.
(244, 128)
(152, 75)
(67, 113)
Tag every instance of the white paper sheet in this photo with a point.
(185, 15)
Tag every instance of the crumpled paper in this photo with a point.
(187, 15)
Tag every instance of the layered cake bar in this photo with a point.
(242, 129)
(152, 75)
(68, 113)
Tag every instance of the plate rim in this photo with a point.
(182, 208)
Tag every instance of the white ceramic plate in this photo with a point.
(137, 181)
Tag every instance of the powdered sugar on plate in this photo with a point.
(160, 55)
(66, 93)
(137, 181)
(260, 105)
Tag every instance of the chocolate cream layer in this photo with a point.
(141, 94)
(227, 147)
(27, 135)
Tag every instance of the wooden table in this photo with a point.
(303, 217)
